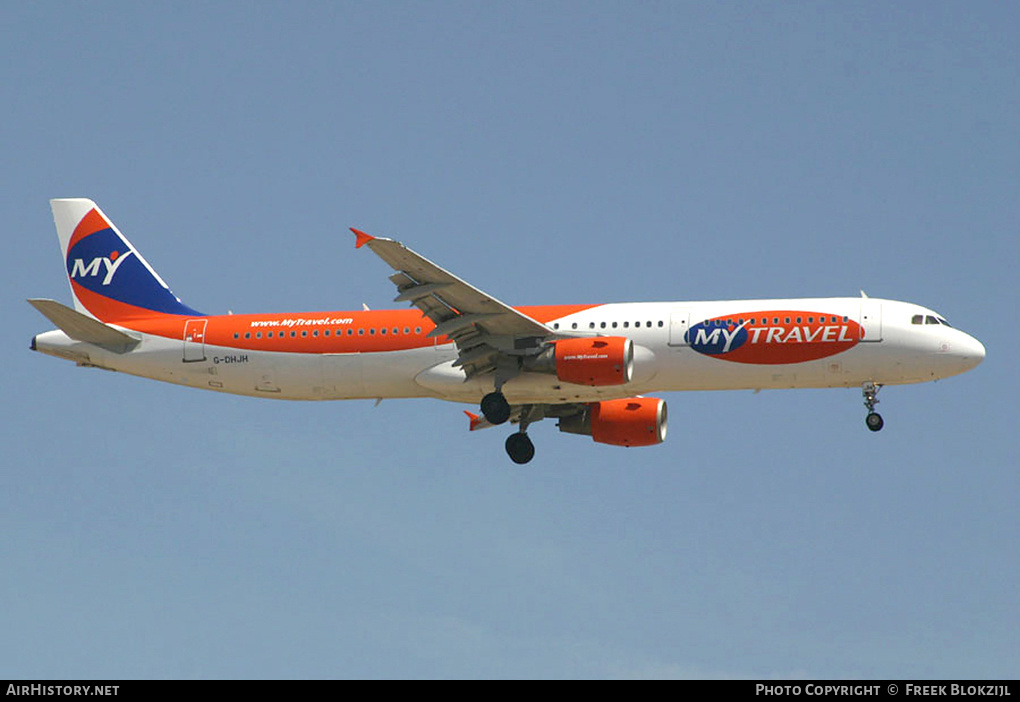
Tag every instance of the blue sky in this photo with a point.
(548, 153)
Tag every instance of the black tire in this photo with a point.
(495, 408)
(874, 421)
(519, 448)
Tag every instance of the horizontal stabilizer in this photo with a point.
(81, 327)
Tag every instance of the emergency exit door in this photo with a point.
(194, 340)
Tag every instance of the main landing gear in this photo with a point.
(495, 408)
(497, 411)
(519, 448)
(874, 419)
(518, 445)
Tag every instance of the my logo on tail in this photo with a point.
(109, 278)
(112, 280)
(112, 263)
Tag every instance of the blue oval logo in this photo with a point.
(716, 336)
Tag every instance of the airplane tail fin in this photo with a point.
(109, 279)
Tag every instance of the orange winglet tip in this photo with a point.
(362, 238)
(475, 420)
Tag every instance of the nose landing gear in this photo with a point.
(874, 420)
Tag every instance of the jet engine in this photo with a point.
(633, 421)
(597, 361)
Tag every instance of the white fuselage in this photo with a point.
(751, 345)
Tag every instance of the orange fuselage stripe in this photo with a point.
(306, 332)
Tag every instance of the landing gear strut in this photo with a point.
(874, 419)
(519, 446)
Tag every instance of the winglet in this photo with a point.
(475, 420)
(362, 238)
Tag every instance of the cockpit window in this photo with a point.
(929, 319)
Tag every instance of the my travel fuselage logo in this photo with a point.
(774, 337)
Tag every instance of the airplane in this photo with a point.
(588, 366)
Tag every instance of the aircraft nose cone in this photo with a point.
(979, 350)
(971, 351)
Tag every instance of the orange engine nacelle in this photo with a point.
(634, 421)
(603, 360)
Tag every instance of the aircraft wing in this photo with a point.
(482, 327)
(529, 414)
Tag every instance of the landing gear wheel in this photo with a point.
(495, 408)
(519, 448)
(874, 419)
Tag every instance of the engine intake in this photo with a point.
(634, 421)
